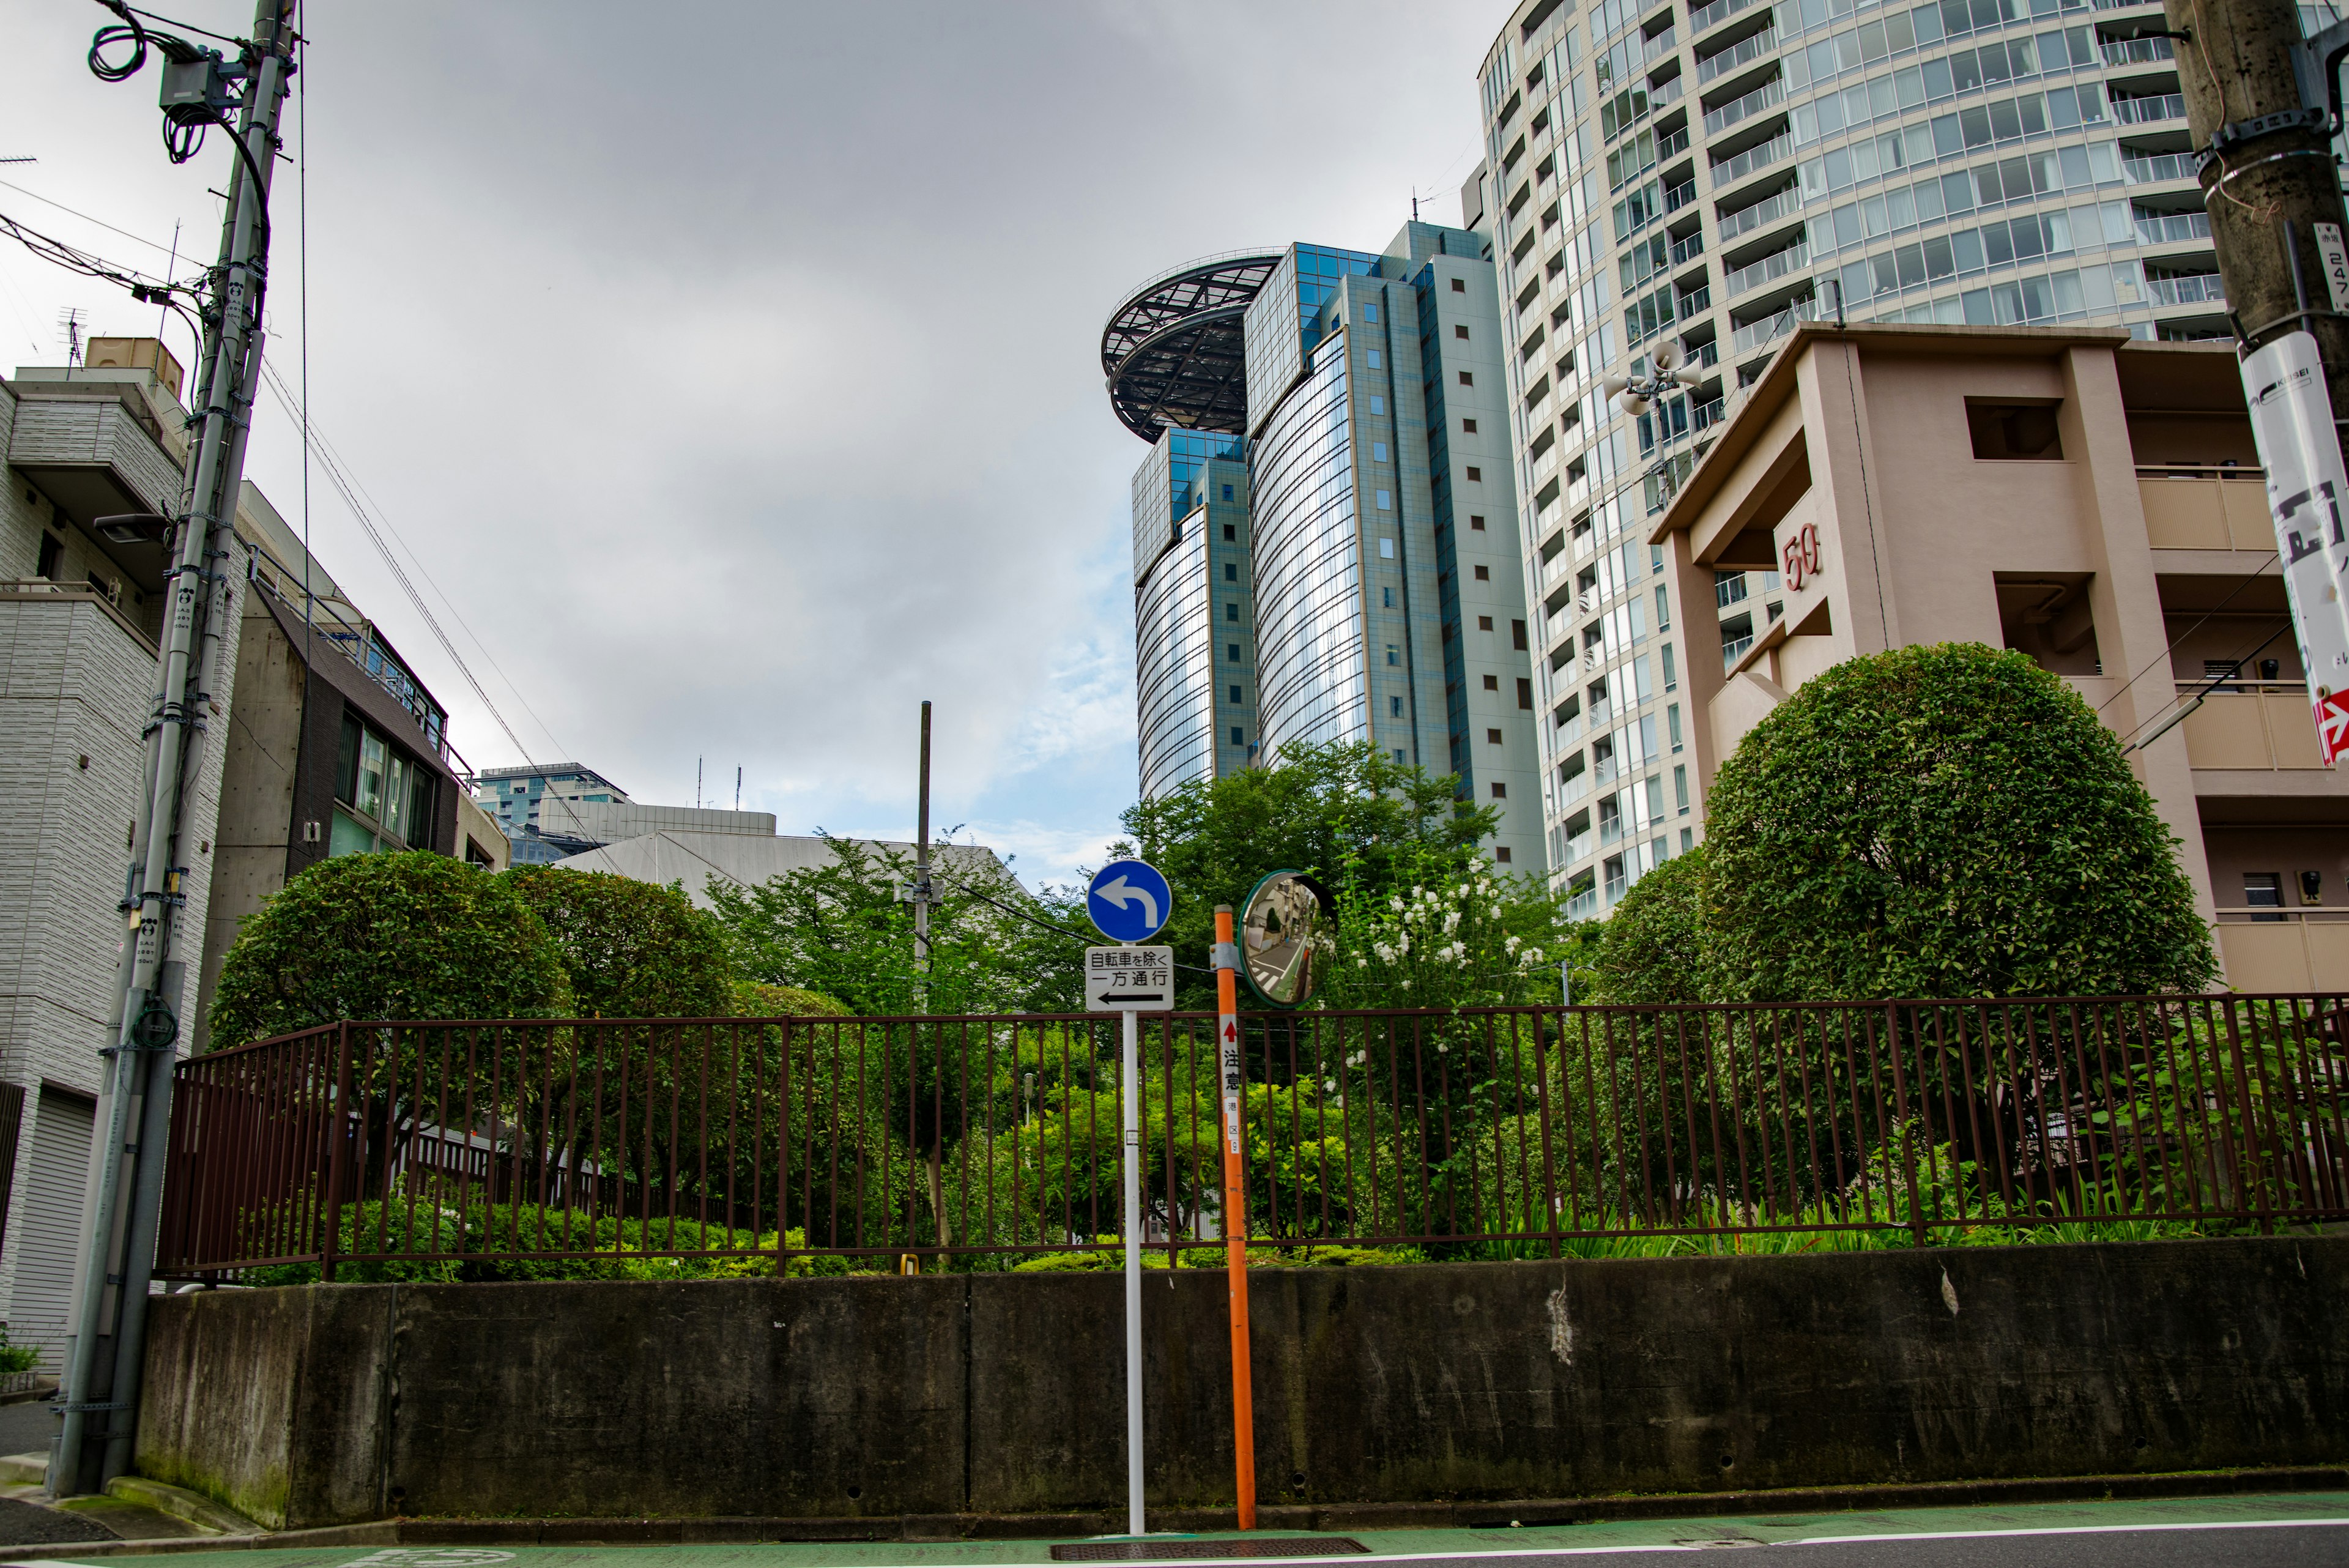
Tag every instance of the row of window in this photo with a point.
(383, 798)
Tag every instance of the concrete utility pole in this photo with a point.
(2273, 166)
(110, 1316)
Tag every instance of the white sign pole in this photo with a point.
(2291, 421)
(1133, 1219)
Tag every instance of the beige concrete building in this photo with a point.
(2093, 501)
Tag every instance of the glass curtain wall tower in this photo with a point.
(1715, 172)
(1324, 538)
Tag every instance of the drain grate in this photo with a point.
(1168, 1551)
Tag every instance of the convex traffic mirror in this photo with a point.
(1285, 936)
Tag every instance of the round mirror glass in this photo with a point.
(1285, 936)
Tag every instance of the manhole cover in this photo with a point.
(1167, 1550)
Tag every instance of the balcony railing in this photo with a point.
(1745, 52)
(2159, 168)
(2172, 228)
(1776, 265)
(2145, 110)
(1671, 144)
(2263, 948)
(1695, 302)
(1747, 219)
(2250, 726)
(2197, 507)
(2136, 51)
(42, 590)
(1754, 334)
(1758, 157)
(1772, 91)
(2202, 288)
(1682, 250)
(1679, 196)
(1719, 11)
(1730, 652)
(1705, 414)
(1730, 591)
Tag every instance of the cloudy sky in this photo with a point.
(732, 370)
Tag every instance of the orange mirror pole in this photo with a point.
(1227, 1040)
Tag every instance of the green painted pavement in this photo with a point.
(1395, 1544)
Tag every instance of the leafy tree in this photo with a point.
(1449, 931)
(407, 936)
(1946, 821)
(1340, 812)
(1656, 946)
(754, 1000)
(633, 949)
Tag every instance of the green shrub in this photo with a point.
(633, 949)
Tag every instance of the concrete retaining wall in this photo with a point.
(878, 1397)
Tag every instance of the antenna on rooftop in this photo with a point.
(1414, 203)
(697, 784)
(738, 788)
(70, 322)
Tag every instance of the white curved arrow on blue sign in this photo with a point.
(1129, 902)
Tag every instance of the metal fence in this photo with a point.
(526, 1149)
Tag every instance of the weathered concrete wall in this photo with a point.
(873, 1397)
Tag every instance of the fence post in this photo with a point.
(338, 1117)
(1900, 1102)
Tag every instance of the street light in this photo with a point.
(1635, 396)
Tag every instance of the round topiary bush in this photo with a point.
(1942, 821)
(407, 936)
(633, 949)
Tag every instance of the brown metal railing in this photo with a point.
(510, 1148)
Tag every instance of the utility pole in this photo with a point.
(923, 899)
(109, 1313)
(2268, 172)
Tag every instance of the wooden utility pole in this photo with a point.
(2272, 166)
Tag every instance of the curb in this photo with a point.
(937, 1528)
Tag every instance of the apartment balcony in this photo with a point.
(2172, 228)
(2284, 949)
(1711, 16)
(2159, 169)
(2199, 288)
(63, 595)
(1746, 220)
(2136, 51)
(1737, 55)
(1688, 249)
(2149, 110)
(1755, 334)
(2252, 726)
(97, 450)
(2192, 507)
(1679, 196)
(1769, 94)
(1769, 269)
(1733, 650)
(1754, 158)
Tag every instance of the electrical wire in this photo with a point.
(143, 287)
(85, 217)
(2164, 657)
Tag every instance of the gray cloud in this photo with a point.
(733, 368)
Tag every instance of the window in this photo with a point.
(1228, 496)
(1526, 692)
(1475, 521)
(1236, 740)
(1231, 572)
(1491, 683)
(1386, 547)
(1467, 427)
(1483, 574)
(1378, 405)
(1374, 359)
(1377, 451)
(1460, 332)
(1230, 531)
(1233, 653)
(1231, 611)
(1235, 694)
(1501, 853)
(1369, 312)
(1493, 737)
(1483, 623)
(51, 549)
(2264, 890)
(1394, 707)
(1672, 724)
(1663, 610)
(384, 800)
(1500, 790)
(1517, 636)
(1466, 380)
(1386, 599)
(1475, 476)
(1394, 656)
(2006, 431)
(1386, 500)
(1458, 286)
(1398, 753)
(1672, 672)
(1680, 788)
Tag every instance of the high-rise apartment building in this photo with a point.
(533, 806)
(1715, 174)
(1325, 545)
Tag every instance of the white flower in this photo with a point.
(1452, 920)
(1441, 1048)
(1361, 962)
(1533, 955)
(1406, 983)
(1330, 1084)
(1398, 905)
(1419, 892)
(1403, 943)
(1497, 911)
(1514, 943)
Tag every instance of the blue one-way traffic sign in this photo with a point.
(1129, 902)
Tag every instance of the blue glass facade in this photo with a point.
(1194, 686)
(1312, 655)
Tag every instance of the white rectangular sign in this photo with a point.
(1128, 979)
(2291, 420)
(2335, 253)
